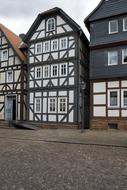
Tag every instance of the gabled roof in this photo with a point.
(44, 14)
(105, 9)
(14, 40)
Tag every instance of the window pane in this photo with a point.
(125, 24)
(125, 98)
(113, 98)
(124, 55)
(113, 26)
(113, 58)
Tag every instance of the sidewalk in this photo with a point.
(88, 137)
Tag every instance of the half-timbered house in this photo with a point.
(12, 77)
(107, 25)
(57, 64)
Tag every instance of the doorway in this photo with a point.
(10, 107)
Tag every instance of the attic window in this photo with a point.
(113, 26)
(51, 24)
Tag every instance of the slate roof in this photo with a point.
(107, 8)
(14, 40)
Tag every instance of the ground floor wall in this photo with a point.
(108, 104)
(55, 106)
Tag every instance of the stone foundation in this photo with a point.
(103, 123)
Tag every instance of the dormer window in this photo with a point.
(125, 24)
(51, 24)
(113, 26)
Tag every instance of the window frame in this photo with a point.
(65, 105)
(36, 68)
(44, 49)
(123, 56)
(52, 70)
(111, 21)
(122, 98)
(52, 45)
(52, 98)
(109, 57)
(48, 28)
(46, 66)
(36, 48)
(2, 58)
(62, 48)
(118, 98)
(124, 29)
(36, 105)
(61, 69)
(8, 75)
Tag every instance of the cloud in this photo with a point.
(20, 14)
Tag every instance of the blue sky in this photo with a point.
(18, 15)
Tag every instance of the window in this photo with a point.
(124, 56)
(125, 24)
(51, 24)
(113, 26)
(9, 76)
(38, 72)
(4, 55)
(63, 69)
(46, 46)
(62, 104)
(37, 105)
(46, 71)
(124, 98)
(52, 105)
(38, 48)
(113, 98)
(112, 58)
(54, 45)
(54, 70)
(63, 43)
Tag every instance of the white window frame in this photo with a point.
(46, 66)
(110, 32)
(36, 68)
(2, 57)
(52, 70)
(52, 49)
(49, 20)
(124, 29)
(49, 101)
(59, 105)
(118, 98)
(36, 111)
(109, 58)
(61, 69)
(64, 38)
(8, 76)
(123, 50)
(36, 52)
(122, 98)
(44, 47)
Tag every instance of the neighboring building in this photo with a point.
(12, 77)
(107, 25)
(57, 64)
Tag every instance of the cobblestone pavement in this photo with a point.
(29, 163)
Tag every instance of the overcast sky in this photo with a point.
(18, 15)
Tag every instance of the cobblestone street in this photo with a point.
(29, 163)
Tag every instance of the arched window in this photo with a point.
(50, 24)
